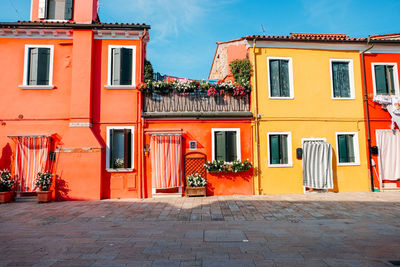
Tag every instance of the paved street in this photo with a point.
(315, 229)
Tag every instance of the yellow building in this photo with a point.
(307, 92)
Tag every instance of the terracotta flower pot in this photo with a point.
(44, 196)
(5, 197)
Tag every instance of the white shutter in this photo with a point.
(42, 9)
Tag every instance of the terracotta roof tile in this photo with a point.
(316, 37)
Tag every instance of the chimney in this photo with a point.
(78, 11)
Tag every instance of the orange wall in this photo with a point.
(379, 118)
(200, 131)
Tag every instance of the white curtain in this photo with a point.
(317, 165)
(388, 142)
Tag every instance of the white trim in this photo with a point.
(356, 149)
(109, 85)
(120, 86)
(31, 14)
(351, 77)
(238, 146)
(36, 87)
(26, 57)
(289, 145)
(312, 139)
(290, 69)
(395, 76)
(132, 128)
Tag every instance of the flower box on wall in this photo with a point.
(195, 191)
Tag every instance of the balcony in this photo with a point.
(195, 104)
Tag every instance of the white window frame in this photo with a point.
(238, 145)
(108, 151)
(395, 76)
(25, 84)
(109, 66)
(290, 153)
(356, 149)
(291, 87)
(351, 77)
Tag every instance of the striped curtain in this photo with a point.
(317, 165)
(166, 161)
(30, 158)
(388, 142)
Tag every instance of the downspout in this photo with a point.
(256, 121)
(367, 115)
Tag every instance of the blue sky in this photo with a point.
(184, 32)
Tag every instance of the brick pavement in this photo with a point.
(345, 229)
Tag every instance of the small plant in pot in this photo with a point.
(43, 183)
(196, 185)
(6, 185)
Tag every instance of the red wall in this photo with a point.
(379, 118)
(200, 130)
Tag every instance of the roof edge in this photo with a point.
(55, 25)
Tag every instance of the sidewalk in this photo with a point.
(345, 229)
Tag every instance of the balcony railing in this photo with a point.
(195, 104)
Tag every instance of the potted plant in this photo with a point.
(6, 184)
(195, 185)
(43, 183)
(214, 166)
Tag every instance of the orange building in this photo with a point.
(70, 102)
(380, 63)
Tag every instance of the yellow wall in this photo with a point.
(312, 113)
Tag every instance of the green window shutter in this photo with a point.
(43, 66)
(231, 146)
(341, 79)
(274, 78)
(274, 149)
(284, 78)
(116, 66)
(126, 66)
(350, 148)
(220, 145)
(33, 66)
(127, 148)
(343, 153)
(380, 80)
(284, 159)
(390, 80)
(111, 148)
(68, 9)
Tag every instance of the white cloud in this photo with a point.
(166, 17)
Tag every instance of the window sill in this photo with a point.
(120, 86)
(343, 98)
(280, 165)
(120, 170)
(277, 97)
(56, 20)
(36, 86)
(348, 164)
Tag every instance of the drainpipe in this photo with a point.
(257, 117)
(367, 114)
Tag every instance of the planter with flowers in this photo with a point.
(195, 185)
(221, 166)
(6, 185)
(43, 183)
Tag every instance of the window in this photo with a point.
(347, 149)
(226, 144)
(38, 66)
(120, 147)
(385, 79)
(280, 147)
(55, 9)
(342, 78)
(121, 72)
(280, 77)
